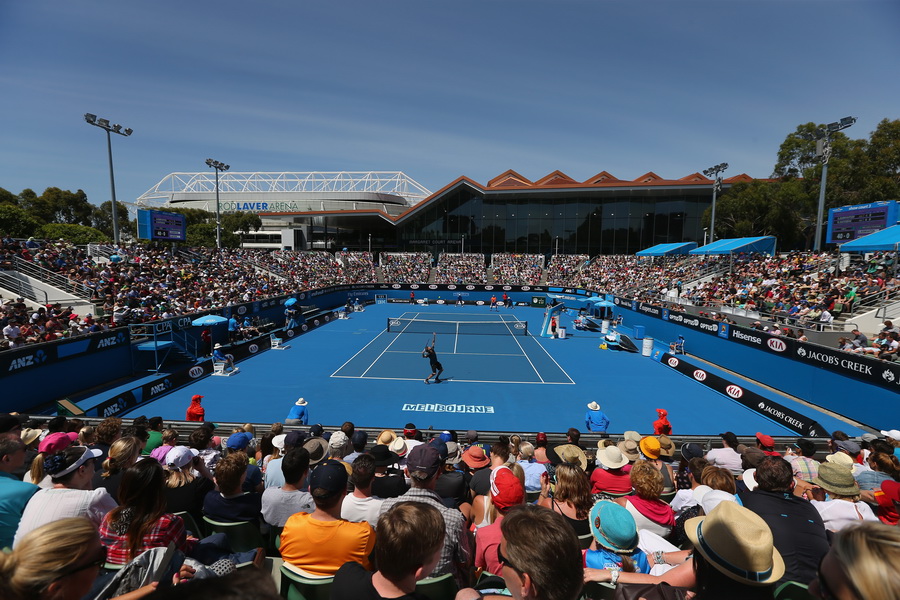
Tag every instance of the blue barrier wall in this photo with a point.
(870, 404)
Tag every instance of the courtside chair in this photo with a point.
(296, 584)
(438, 588)
(241, 536)
(191, 524)
(792, 590)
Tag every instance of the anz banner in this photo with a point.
(40, 355)
(149, 391)
(799, 424)
(857, 366)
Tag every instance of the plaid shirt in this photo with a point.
(456, 550)
(168, 528)
(804, 468)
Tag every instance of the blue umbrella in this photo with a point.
(290, 302)
(208, 320)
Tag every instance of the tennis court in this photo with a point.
(472, 348)
(355, 369)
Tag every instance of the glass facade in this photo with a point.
(608, 221)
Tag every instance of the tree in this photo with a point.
(77, 234)
(192, 216)
(101, 219)
(16, 221)
(58, 206)
(7, 197)
(241, 223)
(204, 234)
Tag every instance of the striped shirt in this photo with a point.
(456, 551)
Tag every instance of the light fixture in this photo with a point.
(823, 149)
(716, 173)
(91, 119)
(218, 166)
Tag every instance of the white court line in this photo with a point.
(377, 358)
(551, 357)
(460, 380)
(528, 358)
(360, 350)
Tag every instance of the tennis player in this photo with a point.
(436, 367)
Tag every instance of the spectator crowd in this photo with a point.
(519, 517)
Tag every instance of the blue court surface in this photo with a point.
(357, 369)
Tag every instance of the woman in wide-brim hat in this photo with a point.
(609, 477)
(844, 507)
(652, 451)
(734, 552)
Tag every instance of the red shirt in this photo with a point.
(168, 528)
(613, 481)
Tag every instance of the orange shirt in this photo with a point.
(322, 547)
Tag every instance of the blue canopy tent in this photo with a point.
(886, 240)
(668, 249)
(761, 245)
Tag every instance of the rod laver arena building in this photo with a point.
(389, 211)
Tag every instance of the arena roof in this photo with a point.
(389, 191)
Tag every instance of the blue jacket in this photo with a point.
(299, 412)
(596, 420)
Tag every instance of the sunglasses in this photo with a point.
(99, 561)
(505, 561)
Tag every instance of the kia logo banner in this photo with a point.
(796, 422)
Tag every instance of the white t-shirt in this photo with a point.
(357, 510)
(47, 506)
(725, 458)
(838, 514)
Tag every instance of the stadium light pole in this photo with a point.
(103, 124)
(462, 247)
(823, 149)
(218, 167)
(370, 245)
(716, 173)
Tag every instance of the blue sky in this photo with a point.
(436, 89)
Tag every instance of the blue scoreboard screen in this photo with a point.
(849, 223)
(163, 226)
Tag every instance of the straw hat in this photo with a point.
(666, 447)
(632, 435)
(593, 406)
(839, 458)
(398, 446)
(613, 527)
(29, 435)
(386, 437)
(301, 402)
(738, 543)
(629, 449)
(572, 454)
(650, 447)
(836, 479)
(611, 457)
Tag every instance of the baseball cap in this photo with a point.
(73, 457)
(453, 454)
(891, 433)
(180, 456)
(294, 438)
(848, 446)
(359, 438)
(441, 447)
(472, 435)
(868, 437)
(239, 440)
(424, 458)
(57, 442)
(765, 440)
(331, 476)
(316, 430)
(506, 489)
(338, 439)
(196, 398)
(540, 437)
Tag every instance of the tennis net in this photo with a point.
(400, 325)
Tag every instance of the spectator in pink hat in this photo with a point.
(52, 444)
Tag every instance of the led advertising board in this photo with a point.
(163, 226)
(848, 223)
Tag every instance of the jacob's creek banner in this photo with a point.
(857, 366)
(796, 422)
(42, 355)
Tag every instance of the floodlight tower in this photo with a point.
(218, 167)
(716, 173)
(823, 149)
(115, 128)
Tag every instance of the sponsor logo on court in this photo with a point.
(432, 287)
(470, 287)
(253, 348)
(672, 362)
(734, 391)
(449, 408)
(304, 327)
(776, 345)
(451, 287)
(242, 309)
(160, 387)
(414, 286)
(316, 322)
(525, 288)
(488, 287)
(700, 375)
(396, 286)
(195, 372)
(507, 287)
